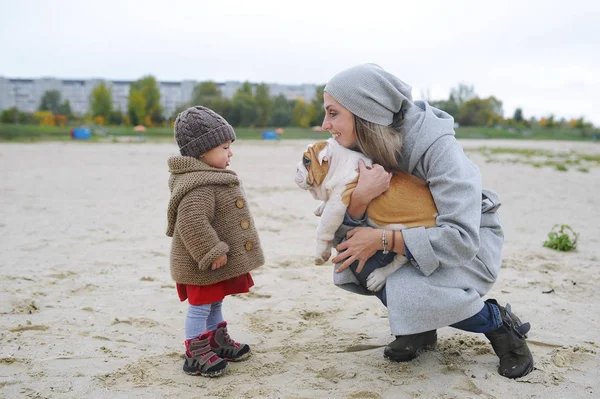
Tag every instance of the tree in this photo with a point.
(450, 106)
(282, 112)
(303, 113)
(65, 109)
(264, 104)
(101, 101)
(144, 101)
(458, 96)
(518, 115)
(50, 102)
(480, 112)
(10, 115)
(244, 108)
(116, 117)
(136, 107)
(205, 93)
(548, 122)
(318, 111)
(462, 93)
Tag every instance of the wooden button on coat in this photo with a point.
(248, 245)
(245, 224)
(239, 203)
(231, 185)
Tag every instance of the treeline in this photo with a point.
(255, 107)
(468, 109)
(249, 107)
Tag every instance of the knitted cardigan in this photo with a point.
(208, 216)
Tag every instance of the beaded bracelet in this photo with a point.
(384, 242)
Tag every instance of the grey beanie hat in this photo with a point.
(370, 93)
(199, 129)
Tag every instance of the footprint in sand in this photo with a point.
(63, 275)
(569, 356)
(149, 371)
(33, 327)
(137, 322)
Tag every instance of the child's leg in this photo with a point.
(215, 316)
(195, 322)
(199, 356)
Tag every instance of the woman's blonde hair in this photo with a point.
(380, 143)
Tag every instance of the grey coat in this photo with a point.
(456, 262)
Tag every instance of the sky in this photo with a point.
(542, 56)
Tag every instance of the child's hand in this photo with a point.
(220, 261)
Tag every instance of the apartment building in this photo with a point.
(26, 94)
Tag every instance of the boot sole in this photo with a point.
(411, 356)
(213, 373)
(210, 374)
(245, 356)
(527, 371)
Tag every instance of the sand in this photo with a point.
(88, 308)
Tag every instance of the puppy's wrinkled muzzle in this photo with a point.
(301, 174)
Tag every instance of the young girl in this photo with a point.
(215, 244)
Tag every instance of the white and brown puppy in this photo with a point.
(330, 172)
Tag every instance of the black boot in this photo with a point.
(509, 344)
(407, 347)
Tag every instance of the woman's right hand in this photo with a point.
(361, 244)
(372, 182)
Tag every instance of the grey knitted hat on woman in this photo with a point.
(370, 93)
(199, 129)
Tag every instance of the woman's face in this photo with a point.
(219, 156)
(339, 121)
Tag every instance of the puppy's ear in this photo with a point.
(324, 154)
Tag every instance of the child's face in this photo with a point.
(218, 157)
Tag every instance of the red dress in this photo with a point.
(203, 294)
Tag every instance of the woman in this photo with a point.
(452, 265)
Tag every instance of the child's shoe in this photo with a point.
(200, 359)
(225, 347)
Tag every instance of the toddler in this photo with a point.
(215, 243)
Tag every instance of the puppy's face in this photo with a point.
(312, 169)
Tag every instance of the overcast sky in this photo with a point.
(543, 56)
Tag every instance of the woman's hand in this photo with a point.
(220, 261)
(372, 182)
(361, 244)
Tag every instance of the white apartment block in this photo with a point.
(26, 94)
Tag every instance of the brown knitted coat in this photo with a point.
(208, 216)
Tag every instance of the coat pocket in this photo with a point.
(489, 201)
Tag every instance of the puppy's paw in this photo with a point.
(323, 252)
(376, 280)
(319, 261)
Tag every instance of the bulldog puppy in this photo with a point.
(330, 173)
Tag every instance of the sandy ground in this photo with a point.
(88, 308)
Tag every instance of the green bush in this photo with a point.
(562, 238)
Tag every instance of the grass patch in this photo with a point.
(33, 133)
(538, 158)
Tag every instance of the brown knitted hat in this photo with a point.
(199, 129)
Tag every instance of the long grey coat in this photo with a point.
(456, 262)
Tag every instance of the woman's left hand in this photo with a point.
(361, 244)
